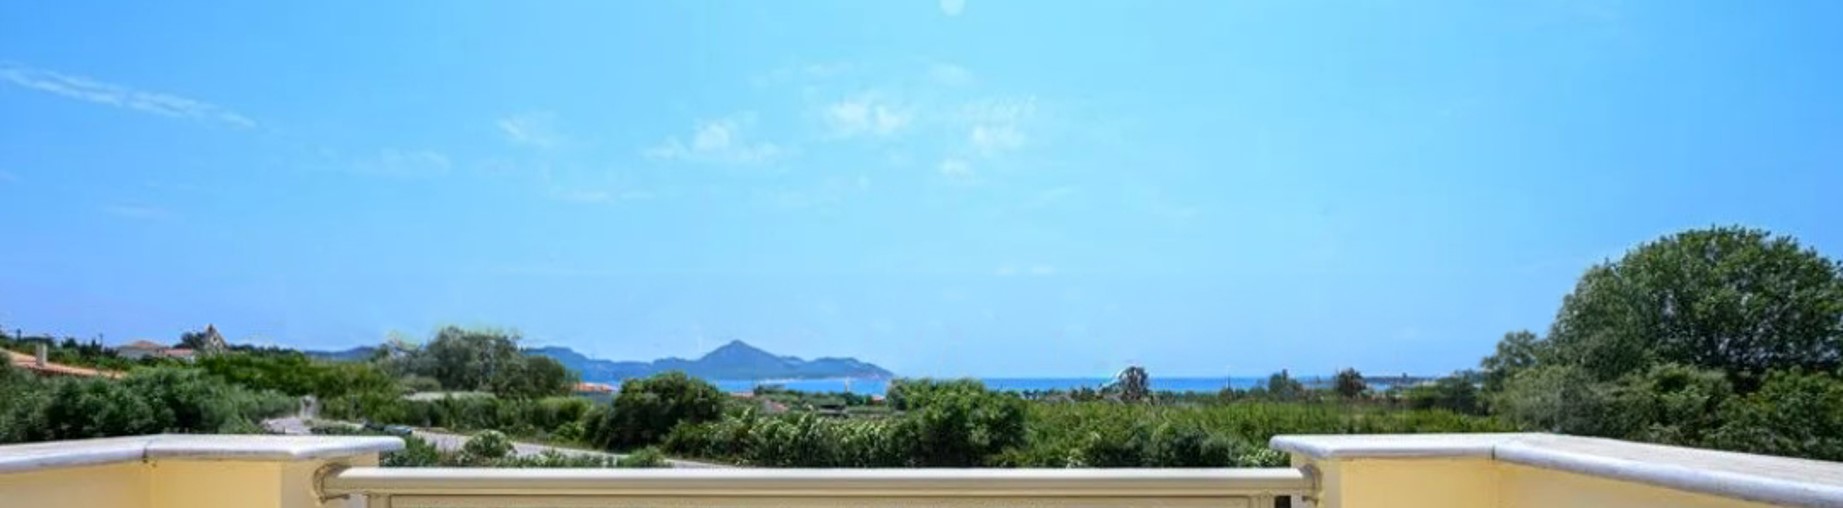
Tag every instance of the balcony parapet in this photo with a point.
(1515, 470)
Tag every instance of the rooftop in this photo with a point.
(30, 362)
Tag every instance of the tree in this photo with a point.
(648, 409)
(479, 359)
(1515, 352)
(1282, 386)
(959, 423)
(1738, 300)
(1349, 383)
(469, 359)
(1793, 413)
(1133, 384)
(1454, 393)
(531, 377)
(1724, 337)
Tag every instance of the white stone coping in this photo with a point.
(1768, 479)
(90, 452)
(1147, 484)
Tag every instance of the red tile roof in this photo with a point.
(593, 388)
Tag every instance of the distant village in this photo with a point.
(39, 363)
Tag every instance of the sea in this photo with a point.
(879, 386)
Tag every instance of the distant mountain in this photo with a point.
(735, 360)
(350, 355)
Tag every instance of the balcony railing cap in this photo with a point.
(1778, 480)
(90, 452)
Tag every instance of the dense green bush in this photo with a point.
(293, 373)
(648, 409)
(486, 447)
(551, 418)
(643, 458)
(960, 423)
(147, 401)
(1454, 393)
(1793, 413)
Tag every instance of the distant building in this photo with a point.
(145, 348)
(40, 366)
(586, 388)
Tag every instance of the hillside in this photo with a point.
(735, 360)
(359, 353)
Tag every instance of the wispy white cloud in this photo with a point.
(719, 141)
(138, 212)
(950, 75)
(866, 113)
(395, 163)
(596, 196)
(536, 129)
(996, 126)
(952, 7)
(992, 139)
(90, 90)
(955, 169)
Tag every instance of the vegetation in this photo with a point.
(961, 424)
(1726, 337)
(148, 401)
(1133, 384)
(648, 409)
(293, 373)
(1349, 383)
(493, 449)
(480, 360)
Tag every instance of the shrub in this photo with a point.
(648, 409)
(1794, 413)
(148, 401)
(643, 458)
(486, 446)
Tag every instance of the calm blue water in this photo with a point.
(878, 386)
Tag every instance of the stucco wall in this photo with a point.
(106, 486)
(1529, 487)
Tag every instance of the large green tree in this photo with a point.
(1742, 301)
(1517, 351)
(481, 359)
(1676, 342)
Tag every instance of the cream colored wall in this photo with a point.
(1417, 483)
(106, 486)
(172, 484)
(1529, 487)
(215, 484)
(1483, 483)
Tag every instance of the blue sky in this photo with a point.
(942, 187)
